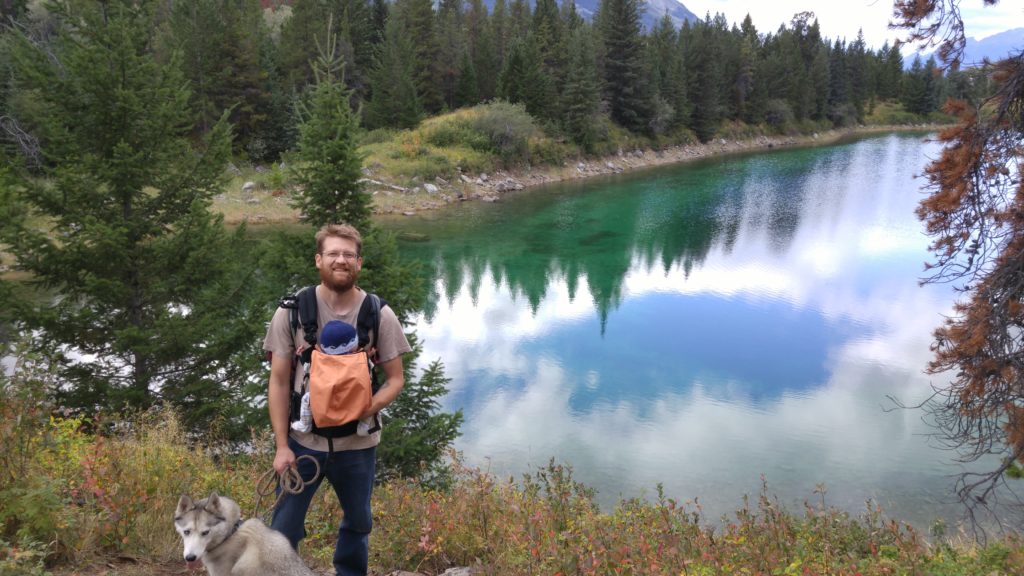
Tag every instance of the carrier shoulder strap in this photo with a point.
(302, 311)
(369, 320)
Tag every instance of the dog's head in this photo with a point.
(203, 525)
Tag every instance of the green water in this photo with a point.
(699, 326)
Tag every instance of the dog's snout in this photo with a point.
(190, 558)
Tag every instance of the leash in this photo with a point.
(290, 482)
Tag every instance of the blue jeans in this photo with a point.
(351, 474)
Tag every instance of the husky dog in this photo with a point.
(213, 532)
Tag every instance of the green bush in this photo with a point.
(778, 114)
(508, 129)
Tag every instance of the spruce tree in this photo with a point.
(394, 102)
(549, 35)
(520, 17)
(625, 80)
(140, 298)
(355, 34)
(857, 70)
(416, 18)
(702, 79)
(297, 45)
(466, 93)
(487, 61)
(582, 97)
(524, 80)
(220, 42)
(451, 47)
(328, 165)
(892, 73)
(379, 18)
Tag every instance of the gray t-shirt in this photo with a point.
(281, 340)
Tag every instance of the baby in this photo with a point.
(337, 337)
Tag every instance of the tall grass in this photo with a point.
(75, 490)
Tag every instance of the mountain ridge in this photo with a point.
(994, 47)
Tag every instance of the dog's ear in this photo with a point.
(213, 501)
(184, 505)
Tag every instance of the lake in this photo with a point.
(700, 326)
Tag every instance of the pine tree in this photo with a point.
(357, 42)
(519, 21)
(501, 30)
(416, 18)
(220, 42)
(355, 34)
(144, 295)
(451, 47)
(625, 83)
(328, 165)
(840, 107)
(524, 80)
(466, 89)
(419, 435)
(857, 69)
(819, 79)
(703, 79)
(379, 18)
(582, 97)
(486, 56)
(743, 85)
(664, 65)
(299, 36)
(394, 102)
(915, 90)
(549, 35)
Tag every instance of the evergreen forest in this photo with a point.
(408, 60)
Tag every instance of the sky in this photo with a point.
(842, 19)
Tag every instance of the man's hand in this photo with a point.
(283, 460)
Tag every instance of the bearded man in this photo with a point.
(348, 463)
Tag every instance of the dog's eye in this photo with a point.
(186, 532)
(205, 533)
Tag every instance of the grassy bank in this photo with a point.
(484, 152)
(74, 502)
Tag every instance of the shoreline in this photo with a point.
(264, 207)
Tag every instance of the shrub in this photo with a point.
(843, 115)
(778, 114)
(508, 129)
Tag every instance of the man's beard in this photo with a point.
(336, 284)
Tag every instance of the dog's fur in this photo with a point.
(213, 532)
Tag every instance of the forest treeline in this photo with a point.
(409, 59)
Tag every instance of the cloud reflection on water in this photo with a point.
(536, 379)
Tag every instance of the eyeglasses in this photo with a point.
(350, 256)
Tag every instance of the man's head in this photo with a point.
(339, 256)
(339, 231)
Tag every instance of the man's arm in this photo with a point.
(278, 396)
(394, 380)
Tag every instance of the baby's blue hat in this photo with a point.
(338, 337)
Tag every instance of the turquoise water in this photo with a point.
(700, 326)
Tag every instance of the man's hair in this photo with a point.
(339, 231)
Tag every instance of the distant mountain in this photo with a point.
(995, 47)
(653, 10)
